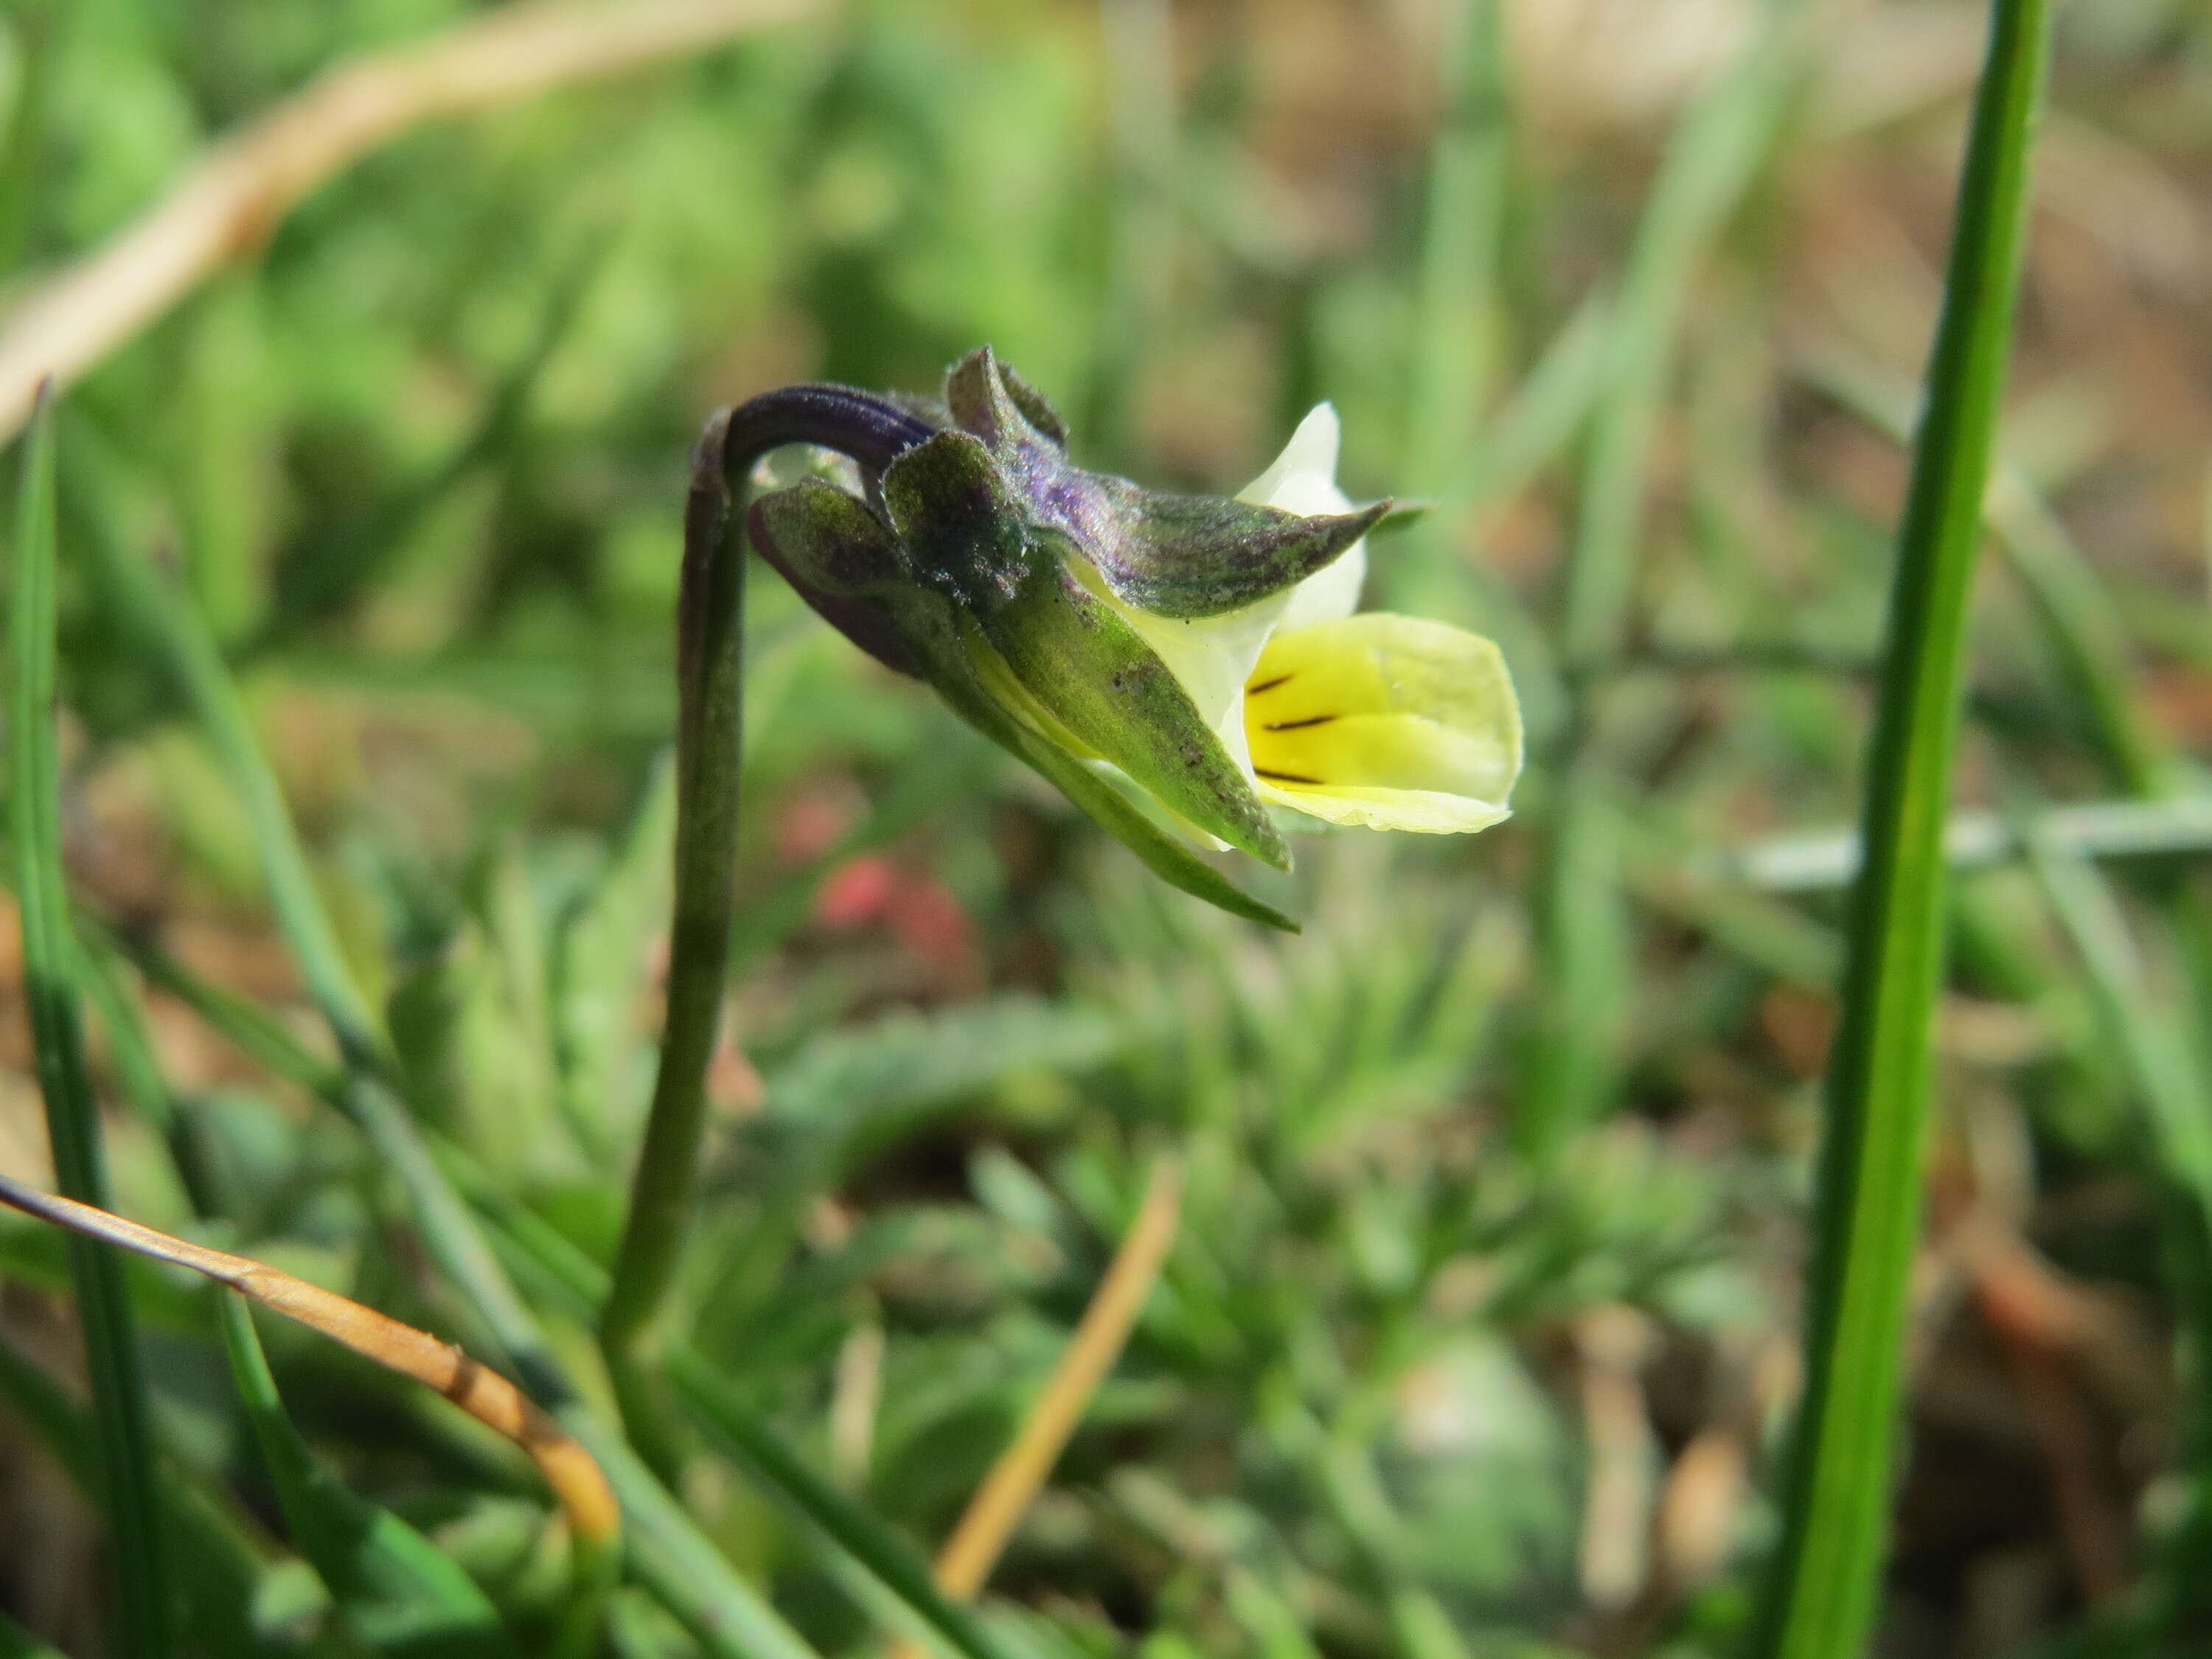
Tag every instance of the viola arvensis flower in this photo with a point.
(1170, 662)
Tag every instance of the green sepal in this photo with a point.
(1095, 675)
(1404, 515)
(831, 540)
(1203, 556)
(1087, 670)
(1172, 860)
(841, 560)
(1174, 556)
(965, 534)
(980, 390)
(946, 643)
(1034, 405)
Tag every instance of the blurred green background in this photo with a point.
(1484, 1314)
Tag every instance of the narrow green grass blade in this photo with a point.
(330, 575)
(758, 1445)
(667, 1553)
(23, 145)
(2079, 616)
(137, 1069)
(1456, 325)
(1820, 1594)
(16, 1643)
(869, 1547)
(1807, 861)
(220, 1560)
(2151, 1034)
(1716, 151)
(600, 952)
(257, 1034)
(397, 1591)
(2146, 1033)
(119, 1389)
(1711, 161)
(170, 624)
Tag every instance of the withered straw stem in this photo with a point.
(235, 195)
(989, 1522)
(578, 1484)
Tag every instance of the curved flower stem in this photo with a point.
(709, 736)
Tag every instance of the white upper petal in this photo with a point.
(1303, 479)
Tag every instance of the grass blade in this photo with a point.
(16, 1643)
(1821, 1589)
(399, 1592)
(1716, 151)
(1456, 324)
(2079, 617)
(763, 1449)
(1721, 142)
(872, 1557)
(600, 955)
(118, 1387)
(1810, 861)
(2152, 1040)
(223, 1568)
(2148, 1035)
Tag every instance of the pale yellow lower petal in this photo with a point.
(1389, 722)
(1419, 812)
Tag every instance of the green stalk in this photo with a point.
(710, 732)
(128, 1469)
(1820, 1592)
(709, 738)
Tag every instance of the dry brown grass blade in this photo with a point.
(1007, 1490)
(227, 203)
(485, 1394)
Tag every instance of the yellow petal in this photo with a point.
(1417, 811)
(1389, 722)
